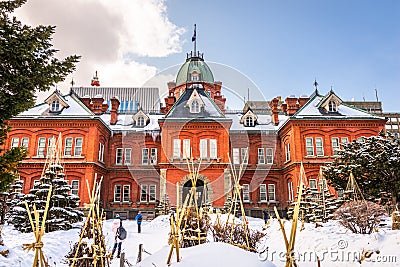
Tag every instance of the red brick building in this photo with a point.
(141, 154)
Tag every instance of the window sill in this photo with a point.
(120, 202)
(38, 157)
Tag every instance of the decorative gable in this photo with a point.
(141, 119)
(56, 102)
(249, 119)
(195, 103)
(330, 102)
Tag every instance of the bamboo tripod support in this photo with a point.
(95, 216)
(289, 243)
(237, 196)
(38, 230)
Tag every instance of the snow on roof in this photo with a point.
(125, 122)
(264, 122)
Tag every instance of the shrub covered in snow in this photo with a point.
(360, 216)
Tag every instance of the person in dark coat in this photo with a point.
(266, 216)
(139, 219)
(117, 241)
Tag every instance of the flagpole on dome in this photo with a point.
(194, 40)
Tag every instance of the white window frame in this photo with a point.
(203, 148)
(213, 149)
(319, 146)
(335, 145)
(78, 147)
(143, 193)
(271, 192)
(68, 146)
(263, 192)
(186, 148)
(290, 191)
(261, 156)
(249, 121)
(14, 142)
(287, 150)
(246, 192)
(55, 105)
(236, 155)
(101, 152)
(152, 193)
(153, 156)
(309, 146)
(269, 155)
(126, 196)
(25, 142)
(75, 187)
(177, 148)
(117, 193)
(128, 156)
(313, 184)
(41, 146)
(141, 121)
(195, 106)
(119, 156)
(145, 156)
(332, 106)
(345, 140)
(245, 155)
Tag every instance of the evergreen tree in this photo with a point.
(27, 64)
(374, 162)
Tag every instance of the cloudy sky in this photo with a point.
(280, 47)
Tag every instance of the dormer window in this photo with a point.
(332, 107)
(195, 107)
(55, 106)
(195, 76)
(140, 121)
(249, 122)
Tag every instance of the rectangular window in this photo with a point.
(245, 155)
(118, 156)
(235, 156)
(14, 142)
(271, 192)
(143, 193)
(25, 142)
(128, 152)
(287, 152)
(51, 147)
(101, 152)
(78, 146)
(41, 146)
(75, 187)
(340, 193)
(261, 156)
(313, 184)
(246, 192)
(153, 156)
(345, 140)
(290, 191)
(319, 146)
(213, 149)
(269, 155)
(203, 148)
(309, 146)
(152, 193)
(263, 192)
(126, 193)
(186, 148)
(335, 145)
(68, 146)
(177, 149)
(145, 156)
(117, 193)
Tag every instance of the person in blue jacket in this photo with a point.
(139, 219)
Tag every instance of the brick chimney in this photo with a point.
(97, 101)
(274, 110)
(169, 100)
(114, 110)
(86, 100)
(292, 105)
(302, 100)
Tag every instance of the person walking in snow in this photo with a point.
(139, 219)
(117, 242)
(266, 216)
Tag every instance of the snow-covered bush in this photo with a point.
(360, 216)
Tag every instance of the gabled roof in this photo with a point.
(56, 96)
(314, 109)
(180, 109)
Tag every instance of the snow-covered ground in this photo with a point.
(333, 244)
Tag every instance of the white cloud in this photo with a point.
(102, 32)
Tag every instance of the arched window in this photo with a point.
(249, 121)
(140, 121)
(332, 106)
(195, 107)
(55, 106)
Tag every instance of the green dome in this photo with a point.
(198, 65)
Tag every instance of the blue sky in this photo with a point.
(281, 45)
(353, 46)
